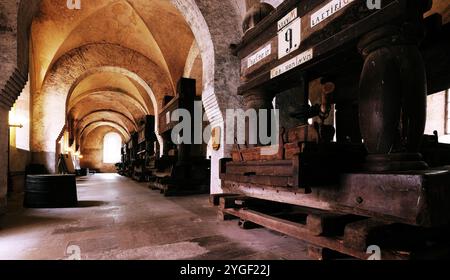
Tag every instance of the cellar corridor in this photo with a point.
(118, 218)
(224, 129)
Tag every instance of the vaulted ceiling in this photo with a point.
(115, 60)
(442, 8)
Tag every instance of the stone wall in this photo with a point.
(3, 158)
(92, 159)
(92, 150)
(8, 58)
(14, 40)
(19, 159)
(216, 25)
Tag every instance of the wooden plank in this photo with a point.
(389, 197)
(214, 199)
(277, 224)
(306, 31)
(261, 170)
(326, 45)
(255, 154)
(306, 133)
(301, 232)
(262, 180)
(226, 202)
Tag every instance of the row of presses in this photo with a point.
(172, 168)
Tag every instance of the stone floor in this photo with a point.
(122, 219)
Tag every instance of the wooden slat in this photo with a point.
(214, 199)
(282, 171)
(301, 232)
(261, 180)
(226, 202)
(388, 197)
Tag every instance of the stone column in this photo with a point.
(4, 142)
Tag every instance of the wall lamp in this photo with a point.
(15, 126)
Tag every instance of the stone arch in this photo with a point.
(73, 67)
(215, 28)
(194, 52)
(90, 127)
(132, 106)
(157, 102)
(92, 147)
(116, 117)
(214, 34)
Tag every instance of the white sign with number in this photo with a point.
(289, 38)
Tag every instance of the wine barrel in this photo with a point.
(36, 169)
(50, 191)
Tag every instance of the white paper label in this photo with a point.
(289, 38)
(292, 63)
(260, 55)
(287, 19)
(328, 10)
(168, 120)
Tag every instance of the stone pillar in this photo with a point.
(220, 68)
(4, 142)
(392, 101)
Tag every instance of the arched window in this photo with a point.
(112, 143)
(438, 115)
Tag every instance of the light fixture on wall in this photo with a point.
(15, 126)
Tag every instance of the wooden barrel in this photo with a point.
(50, 191)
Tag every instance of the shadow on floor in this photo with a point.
(90, 203)
(29, 221)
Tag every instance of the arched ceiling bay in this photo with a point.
(442, 8)
(109, 80)
(94, 139)
(100, 124)
(113, 61)
(153, 28)
(83, 134)
(104, 100)
(74, 66)
(105, 116)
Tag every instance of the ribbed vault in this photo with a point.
(106, 65)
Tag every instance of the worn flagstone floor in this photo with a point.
(122, 219)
